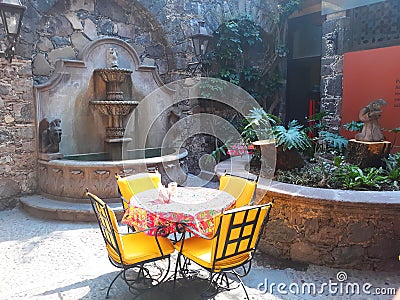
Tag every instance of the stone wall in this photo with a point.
(60, 30)
(18, 156)
(333, 39)
(342, 229)
(158, 30)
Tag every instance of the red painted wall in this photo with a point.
(369, 75)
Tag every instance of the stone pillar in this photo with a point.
(333, 45)
(18, 142)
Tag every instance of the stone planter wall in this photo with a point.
(343, 229)
(335, 228)
(18, 156)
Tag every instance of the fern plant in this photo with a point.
(334, 140)
(258, 125)
(291, 137)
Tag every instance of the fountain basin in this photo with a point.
(67, 179)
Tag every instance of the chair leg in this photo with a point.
(166, 272)
(177, 263)
(242, 284)
(206, 293)
(221, 283)
(145, 277)
(112, 282)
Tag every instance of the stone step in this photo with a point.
(42, 207)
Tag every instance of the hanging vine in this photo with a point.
(247, 56)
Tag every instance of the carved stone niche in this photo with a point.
(49, 139)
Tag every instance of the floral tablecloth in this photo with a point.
(193, 206)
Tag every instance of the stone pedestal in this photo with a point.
(115, 148)
(366, 154)
(267, 150)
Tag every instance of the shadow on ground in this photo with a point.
(96, 288)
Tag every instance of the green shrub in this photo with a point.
(354, 178)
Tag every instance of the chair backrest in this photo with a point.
(240, 188)
(238, 231)
(109, 227)
(133, 184)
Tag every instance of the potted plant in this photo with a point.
(290, 140)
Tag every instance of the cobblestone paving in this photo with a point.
(43, 259)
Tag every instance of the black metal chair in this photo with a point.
(131, 250)
(231, 248)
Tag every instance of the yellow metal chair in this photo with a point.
(133, 184)
(231, 248)
(132, 250)
(240, 188)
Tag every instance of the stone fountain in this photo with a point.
(114, 106)
(92, 99)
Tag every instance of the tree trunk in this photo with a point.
(366, 154)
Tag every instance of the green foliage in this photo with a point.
(392, 164)
(306, 176)
(259, 117)
(237, 57)
(338, 160)
(234, 37)
(354, 126)
(354, 178)
(291, 137)
(284, 9)
(213, 88)
(394, 130)
(334, 140)
(257, 125)
(219, 152)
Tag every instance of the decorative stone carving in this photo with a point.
(370, 115)
(112, 58)
(50, 136)
(115, 106)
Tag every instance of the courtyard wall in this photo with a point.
(18, 156)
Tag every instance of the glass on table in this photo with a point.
(172, 189)
(163, 194)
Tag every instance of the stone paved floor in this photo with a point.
(43, 259)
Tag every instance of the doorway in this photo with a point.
(304, 67)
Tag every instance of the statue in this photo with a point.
(50, 136)
(112, 58)
(370, 115)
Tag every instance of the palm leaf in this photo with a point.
(292, 137)
(336, 141)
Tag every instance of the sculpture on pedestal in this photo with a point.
(370, 116)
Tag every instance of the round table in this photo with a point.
(195, 207)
